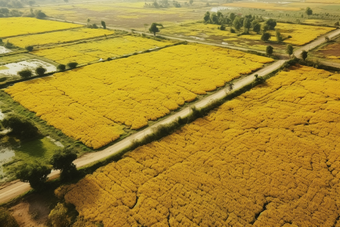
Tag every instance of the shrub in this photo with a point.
(9, 45)
(58, 216)
(40, 70)
(266, 36)
(72, 65)
(63, 160)
(21, 128)
(26, 73)
(35, 173)
(61, 67)
(232, 30)
(39, 14)
(6, 219)
(29, 48)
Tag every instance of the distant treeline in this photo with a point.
(5, 12)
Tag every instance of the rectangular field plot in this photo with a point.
(13, 26)
(103, 49)
(58, 37)
(299, 34)
(274, 149)
(93, 103)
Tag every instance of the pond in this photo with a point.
(6, 155)
(4, 50)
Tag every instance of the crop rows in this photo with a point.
(58, 37)
(266, 158)
(14, 26)
(89, 103)
(100, 49)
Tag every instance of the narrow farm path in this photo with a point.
(17, 188)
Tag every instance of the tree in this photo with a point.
(206, 17)
(289, 49)
(269, 50)
(264, 28)
(237, 23)
(256, 26)
(259, 80)
(304, 55)
(72, 65)
(25, 73)
(309, 11)
(6, 219)
(58, 216)
(271, 24)
(103, 24)
(246, 25)
(21, 128)
(39, 14)
(154, 29)
(278, 36)
(214, 18)
(191, 1)
(222, 28)
(35, 173)
(265, 37)
(61, 67)
(63, 160)
(40, 70)
(29, 48)
(232, 17)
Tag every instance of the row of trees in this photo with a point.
(5, 12)
(289, 51)
(166, 4)
(89, 25)
(237, 22)
(40, 71)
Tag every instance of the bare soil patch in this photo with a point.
(32, 211)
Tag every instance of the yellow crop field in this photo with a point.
(266, 158)
(13, 26)
(58, 37)
(300, 34)
(197, 29)
(93, 51)
(323, 1)
(262, 5)
(130, 91)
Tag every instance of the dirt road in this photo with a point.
(18, 188)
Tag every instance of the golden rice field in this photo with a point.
(58, 37)
(300, 34)
(267, 158)
(100, 49)
(263, 5)
(92, 103)
(13, 26)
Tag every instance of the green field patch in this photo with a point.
(2, 67)
(40, 149)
